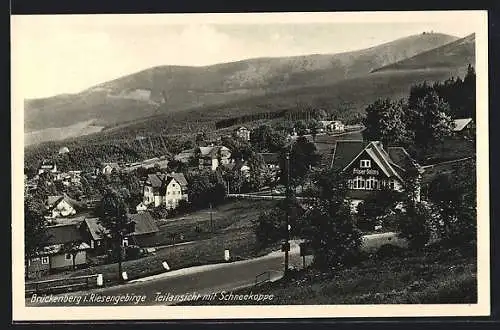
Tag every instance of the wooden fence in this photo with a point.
(61, 285)
(262, 278)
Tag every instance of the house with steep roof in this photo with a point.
(369, 168)
(212, 156)
(464, 127)
(64, 249)
(144, 234)
(145, 230)
(165, 189)
(60, 206)
(243, 133)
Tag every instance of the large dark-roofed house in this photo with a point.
(369, 167)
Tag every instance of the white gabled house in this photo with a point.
(165, 190)
(60, 206)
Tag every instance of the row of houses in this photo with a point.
(73, 244)
(325, 126)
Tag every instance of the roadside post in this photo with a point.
(100, 280)
(166, 266)
(226, 255)
(305, 249)
(125, 276)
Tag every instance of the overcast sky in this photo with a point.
(66, 54)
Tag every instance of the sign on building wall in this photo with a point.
(365, 171)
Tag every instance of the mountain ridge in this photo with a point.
(447, 56)
(163, 89)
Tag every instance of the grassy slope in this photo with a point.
(188, 87)
(436, 277)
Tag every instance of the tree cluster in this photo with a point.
(423, 119)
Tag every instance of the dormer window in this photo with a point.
(365, 163)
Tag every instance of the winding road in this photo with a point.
(184, 284)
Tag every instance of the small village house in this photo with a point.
(145, 230)
(332, 126)
(165, 189)
(65, 248)
(213, 156)
(464, 127)
(243, 133)
(271, 159)
(97, 237)
(369, 168)
(63, 150)
(47, 165)
(108, 168)
(185, 156)
(75, 177)
(239, 165)
(141, 207)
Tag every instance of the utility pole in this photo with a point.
(287, 247)
(211, 223)
(120, 270)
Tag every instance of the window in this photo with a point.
(349, 184)
(358, 183)
(365, 163)
(45, 260)
(68, 256)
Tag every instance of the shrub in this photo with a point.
(416, 226)
(271, 226)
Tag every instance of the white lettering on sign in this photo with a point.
(365, 171)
